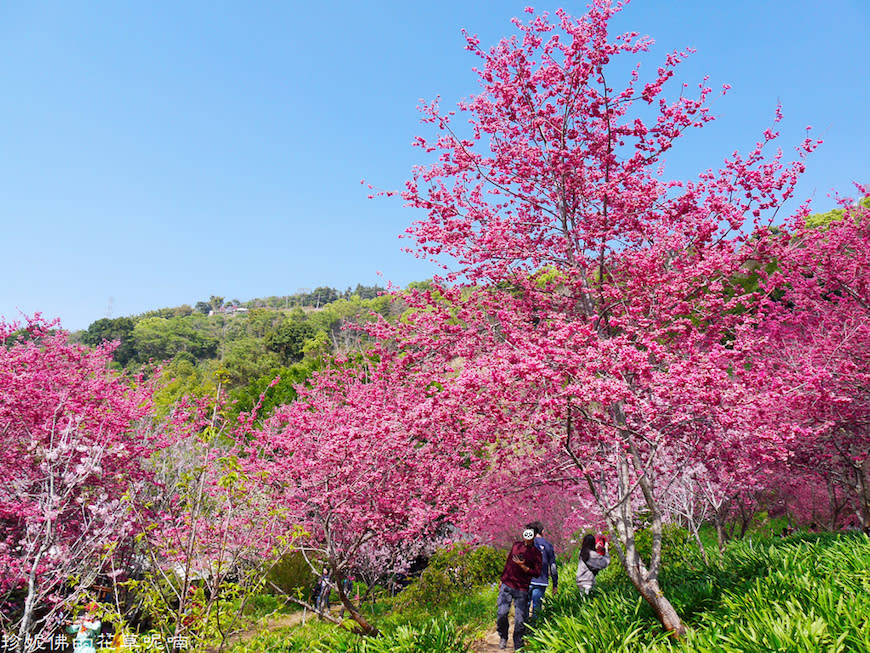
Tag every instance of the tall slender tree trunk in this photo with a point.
(836, 504)
(620, 518)
(29, 604)
(863, 491)
(720, 531)
(746, 515)
(701, 547)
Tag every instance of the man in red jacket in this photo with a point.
(523, 564)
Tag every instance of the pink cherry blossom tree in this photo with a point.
(209, 528)
(366, 460)
(519, 490)
(588, 298)
(72, 450)
(814, 346)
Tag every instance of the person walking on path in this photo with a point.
(522, 565)
(322, 591)
(539, 584)
(590, 563)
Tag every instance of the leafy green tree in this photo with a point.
(364, 292)
(161, 338)
(108, 330)
(318, 347)
(247, 358)
(184, 377)
(288, 340)
(338, 321)
(824, 219)
(260, 321)
(323, 295)
(273, 393)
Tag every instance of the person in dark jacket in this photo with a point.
(590, 563)
(322, 591)
(538, 586)
(522, 565)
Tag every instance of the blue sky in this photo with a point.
(153, 154)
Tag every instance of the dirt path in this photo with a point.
(283, 621)
(489, 644)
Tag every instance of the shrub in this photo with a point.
(452, 572)
(678, 547)
(263, 604)
(291, 574)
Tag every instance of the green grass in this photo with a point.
(809, 592)
(448, 629)
(805, 593)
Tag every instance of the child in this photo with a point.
(85, 630)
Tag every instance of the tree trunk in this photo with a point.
(746, 515)
(652, 594)
(700, 546)
(863, 491)
(29, 605)
(646, 580)
(364, 627)
(836, 505)
(620, 518)
(32, 589)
